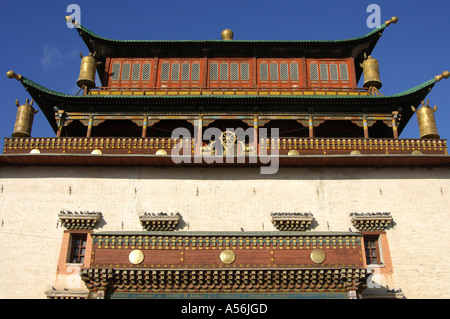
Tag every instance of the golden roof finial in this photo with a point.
(393, 20)
(72, 20)
(13, 75)
(445, 74)
(227, 34)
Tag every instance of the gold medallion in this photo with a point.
(227, 257)
(318, 256)
(136, 257)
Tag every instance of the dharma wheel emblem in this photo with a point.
(227, 257)
(228, 138)
(136, 257)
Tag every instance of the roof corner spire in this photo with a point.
(13, 75)
(444, 75)
(392, 20)
(70, 19)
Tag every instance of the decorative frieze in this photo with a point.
(292, 221)
(160, 221)
(79, 220)
(378, 221)
(213, 240)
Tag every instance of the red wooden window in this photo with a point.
(230, 73)
(279, 73)
(179, 73)
(329, 73)
(132, 73)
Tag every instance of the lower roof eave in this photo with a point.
(378, 160)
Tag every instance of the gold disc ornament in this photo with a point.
(227, 257)
(318, 256)
(136, 257)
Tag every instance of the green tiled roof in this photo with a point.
(94, 35)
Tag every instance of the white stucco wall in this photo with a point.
(224, 199)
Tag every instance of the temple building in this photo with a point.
(226, 169)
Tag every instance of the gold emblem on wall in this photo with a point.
(136, 257)
(318, 256)
(227, 257)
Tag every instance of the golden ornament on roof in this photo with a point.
(227, 34)
(426, 120)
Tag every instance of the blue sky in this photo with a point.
(38, 44)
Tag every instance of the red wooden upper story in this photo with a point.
(230, 73)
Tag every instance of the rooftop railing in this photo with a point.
(260, 91)
(281, 146)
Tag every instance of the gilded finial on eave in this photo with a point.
(444, 75)
(13, 75)
(393, 20)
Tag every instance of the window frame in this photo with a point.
(328, 82)
(223, 81)
(130, 82)
(279, 82)
(373, 238)
(179, 82)
(72, 256)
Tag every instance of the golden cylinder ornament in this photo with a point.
(371, 70)
(427, 121)
(24, 119)
(87, 71)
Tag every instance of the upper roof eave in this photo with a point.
(345, 48)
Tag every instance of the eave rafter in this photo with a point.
(225, 280)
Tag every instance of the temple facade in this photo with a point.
(225, 169)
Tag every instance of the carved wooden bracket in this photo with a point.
(292, 221)
(160, 221)
(371, 221)
(79, 220)
(207, 280)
